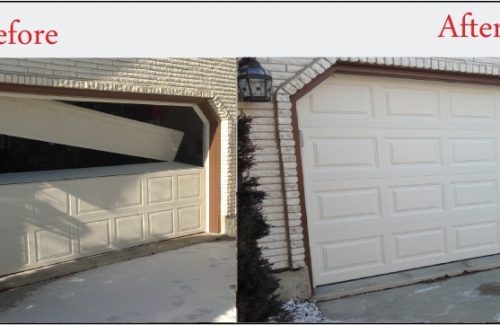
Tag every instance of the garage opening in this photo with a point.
(23, 155)
(78, 178)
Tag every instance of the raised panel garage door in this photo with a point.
(43, 223)
(398, 174)
(52, 216)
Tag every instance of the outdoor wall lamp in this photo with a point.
(254, 82)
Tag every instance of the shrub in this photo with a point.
(256, 298)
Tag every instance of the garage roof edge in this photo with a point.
(318, 66)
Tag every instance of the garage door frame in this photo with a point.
(202, 107)
(361, 69)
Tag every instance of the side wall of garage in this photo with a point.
(272, 132)
(210, 79)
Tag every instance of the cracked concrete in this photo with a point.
(469, 298)
(404, 278)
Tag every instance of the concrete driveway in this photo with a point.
(190, 284)
(470, 298)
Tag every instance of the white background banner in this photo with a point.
(247, 29)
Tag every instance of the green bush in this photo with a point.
(256, 298)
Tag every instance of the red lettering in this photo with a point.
(37, 36)
(12, 31)
(3, 34)
(27, 39)
(469, 28)
(51, 36)
(448, 24)
(472, 24)
(13, 36)
(497, 30)
(485, 27)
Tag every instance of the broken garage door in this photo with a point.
(53, 216)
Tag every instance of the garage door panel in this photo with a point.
(472, 105)
(161, 224)
(189, 219)
(405, 176)
(160, 189)
(68, 124)
(363, 252)
(106, 193)
(348, 252)
(353, 152)
(475, 194)
(342, 100)
(188, 186)
(53, 244)
(350, 153)
(351, 255)
(129, 230)
(416, 198)
(414, 152)
(464, 182)
(473, 151)
(348, 204)
(476, 236)
(14, 249)
(51, 201)
(332, 210)
(407, 103)
(94, 236)
(420, 244)
(399, 103)
(48, 222)
(341, 205)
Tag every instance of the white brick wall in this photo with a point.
(289, 75)
(268, 170)
(214, 79)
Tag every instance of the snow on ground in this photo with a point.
(190, 284)
(298, 311)
(427, 289)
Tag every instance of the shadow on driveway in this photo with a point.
(190, 284)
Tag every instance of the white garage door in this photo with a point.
(398, 174)
(51, 216)
(47, 222)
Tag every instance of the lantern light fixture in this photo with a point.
(254, 82)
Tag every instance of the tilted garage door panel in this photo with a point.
(48, 222)
(63, 123)
(398, 174)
